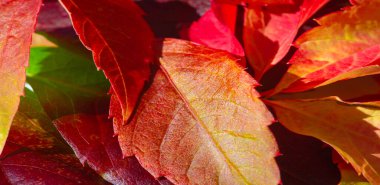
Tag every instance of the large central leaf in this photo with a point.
(201, 121)
(17, 20)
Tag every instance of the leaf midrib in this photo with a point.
(202, 124)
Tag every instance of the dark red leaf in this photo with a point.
(91, 138)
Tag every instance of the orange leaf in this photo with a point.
(357, 89)
(201, 121)
(269, 32)
(352, 129)
(121, 43)
(347, 173)
(345, 41)
(17, 21)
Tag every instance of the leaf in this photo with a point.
(357, 89)
(269, 32)
(348, 174)
(352, 129)
(35, 154)
(336, 47)
(30, 126)
(17, 25)
(303, 160)
(121, 43)
(37, 168)
(216, 30)
(91, 138)
(52, 17)
(65, 82)
(201, 121)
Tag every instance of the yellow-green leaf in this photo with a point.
(352, 129)
(17, 20)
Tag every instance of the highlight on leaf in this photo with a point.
(202, 108)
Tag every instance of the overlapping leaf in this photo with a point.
(352, 129)
(91, 137)
(17, 25)
(269, 32)
(345, 46)
(66, 82)
(201, 121)
(361, 89)
(34, 154)
(303, 160)
(121, 43)
(216, 29)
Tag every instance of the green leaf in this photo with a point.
(64, 81)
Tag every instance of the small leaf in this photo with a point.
(216, 30)
(17, 25)
(352, 129)
(201, 121)
(91, 138)
(269, 32)
(346, 41)
(121, 43)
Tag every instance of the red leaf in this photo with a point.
(121, 43)
(17, 20)
(269, 31)
(92, 141)
(31, 167)
(216, 30)
(33, 155)
(201, 121)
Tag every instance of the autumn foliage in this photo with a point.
(190, 92)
